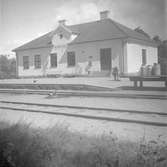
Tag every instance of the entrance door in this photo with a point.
(105, 59)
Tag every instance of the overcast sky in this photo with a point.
(23, 20)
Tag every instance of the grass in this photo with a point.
(23, 146)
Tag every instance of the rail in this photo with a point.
(94, 116)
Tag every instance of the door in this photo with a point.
(105, 59)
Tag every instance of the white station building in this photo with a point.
(96, 47)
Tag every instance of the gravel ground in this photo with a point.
(97, 113)
(90, 127)
(123, 131)
(153, 105)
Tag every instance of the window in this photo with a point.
(70, 59)
(144, 57)
(37, 61)
(25, 62)
(53, 60)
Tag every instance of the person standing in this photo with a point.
(115, 73)
(89, 66)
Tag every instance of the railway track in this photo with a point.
(106, 114)
(104, 94)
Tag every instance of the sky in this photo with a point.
(24, 20)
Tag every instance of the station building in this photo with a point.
(92, 48)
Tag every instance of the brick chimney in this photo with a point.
(104, 15)
(62, 22)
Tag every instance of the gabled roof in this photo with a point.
(43, 41)
(106, 29)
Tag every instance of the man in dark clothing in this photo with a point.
(115, 73)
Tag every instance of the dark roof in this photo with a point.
(43, 41)
(93, 31)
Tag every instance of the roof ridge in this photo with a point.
(82, 23)
(110, 26)
(114, 23)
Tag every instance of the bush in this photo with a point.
(23, 146)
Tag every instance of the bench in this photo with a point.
(141, 79)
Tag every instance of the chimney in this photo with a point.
(62, 22)
(104, 15)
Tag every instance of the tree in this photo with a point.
(4, 63)
(157, 39)
(7, 67)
